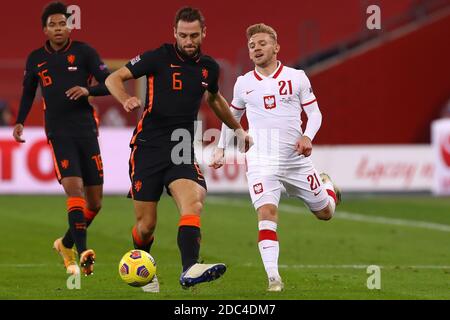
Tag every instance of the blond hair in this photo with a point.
(261, 28)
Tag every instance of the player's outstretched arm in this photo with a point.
(115, 85)
(222, 110)
(217, 158)
(220, 107)
(226, 136)
(30, 83)
(304, 143)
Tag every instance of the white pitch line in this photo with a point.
(377, 219)
(350, 266)
(344, 215)
(251, 265)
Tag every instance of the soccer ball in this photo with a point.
(137, 268)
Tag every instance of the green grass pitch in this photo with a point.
(408, 237)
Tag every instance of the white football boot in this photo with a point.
(275, 285)
(152, 286)
(326, 179)
(200, 272)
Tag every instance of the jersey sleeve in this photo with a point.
(309, 104)
(144, 64)
(306, 92)
(30, 83)
(238, 101)
(237, 107)
(99, 70)
(213, 85)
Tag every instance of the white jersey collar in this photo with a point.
(274, 74)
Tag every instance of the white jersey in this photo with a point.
(273, 105)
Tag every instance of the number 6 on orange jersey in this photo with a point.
(177, 84)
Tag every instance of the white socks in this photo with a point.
(269, 247)
(331, 195)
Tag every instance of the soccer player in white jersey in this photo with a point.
(273, 96)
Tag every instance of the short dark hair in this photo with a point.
(53, 8)
(189, 14)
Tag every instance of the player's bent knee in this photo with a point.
(73, 187)
(267, 212)
(75, 192)
(195, 207)
(145, 229)
(146, 224)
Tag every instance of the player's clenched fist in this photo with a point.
(217, 158)
(17, 133)
(304, 146)
(132, 103)
(245, 141)
(77, 92)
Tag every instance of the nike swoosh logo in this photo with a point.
(248, 92)
(268, 247)
(41, 64)
(317, 193)
(174, 66)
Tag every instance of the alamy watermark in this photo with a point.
(74, 20)
(373, 21)
(374, 280)
(74, 281)
(268, 149)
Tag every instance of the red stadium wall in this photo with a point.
(389, 94)
(120, 31)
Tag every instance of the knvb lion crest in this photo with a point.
(205, 73)
(71, 58)
(269, 102)
(64, 164)
(138, 185)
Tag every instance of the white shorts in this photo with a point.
(301, 181)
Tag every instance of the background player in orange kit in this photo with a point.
(63, 69)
